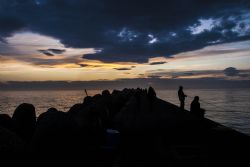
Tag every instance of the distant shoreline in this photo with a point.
(116, 88)
(157, 83)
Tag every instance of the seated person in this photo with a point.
(195, 108)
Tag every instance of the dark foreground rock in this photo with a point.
(10, 142)
(24, 121)
(131, 127)
(5, 121)
(53, 132)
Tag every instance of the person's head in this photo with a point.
(180, 87)
(196, 98)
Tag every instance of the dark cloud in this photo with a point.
(46, 52)
(231, 71)
(128, 31)
(88, 65)
(177, 74)
(83, 65)
(57, 51)
(188, 74)
(8, 25)
(157, 63)
(122, 69)
(52, 52)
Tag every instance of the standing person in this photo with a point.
(182, 97)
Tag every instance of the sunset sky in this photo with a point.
(83, 40)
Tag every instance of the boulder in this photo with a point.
(10, 142)
(24, 121)
(76, 108)
(6, 122)
(55, 132)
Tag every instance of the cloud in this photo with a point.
(83, 65)
(157, 63)
(154, 76)
(8, 24)
(57, 51)
(129, 31)
(46, 52)
(52, 52)
(231, 71)
(222, 74)
(123, 69)
(185, 74)
(88, 65)
(244, 75)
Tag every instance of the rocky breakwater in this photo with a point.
(131, 127)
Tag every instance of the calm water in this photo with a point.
(229, 107)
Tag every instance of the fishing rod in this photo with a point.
(86, 92)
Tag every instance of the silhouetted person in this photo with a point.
(151, 92)
(182, 97)
(195, 108)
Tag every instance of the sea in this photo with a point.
(230, 107)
